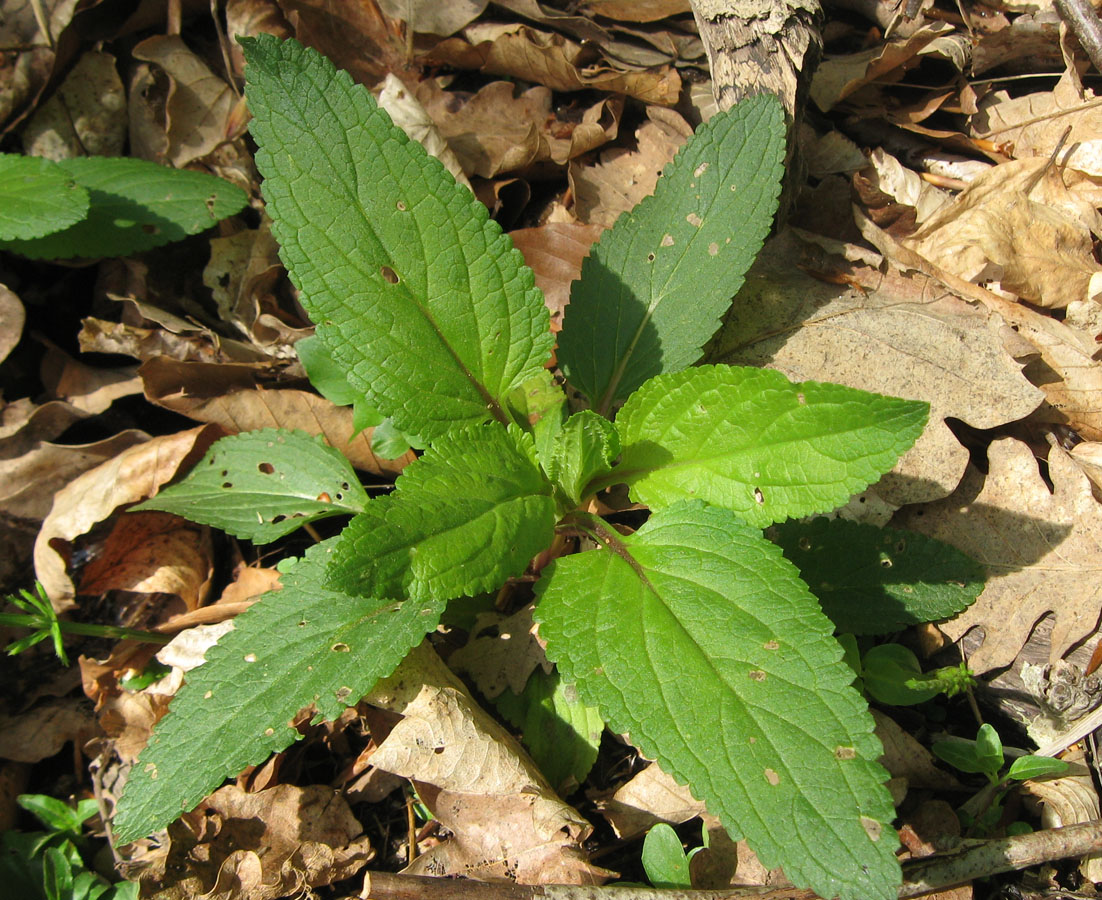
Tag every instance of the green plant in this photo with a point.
(694, 633)
(985, 756)
(101, 206)
(48, 864)
(39, 616)
(892, 674)
(665, 860)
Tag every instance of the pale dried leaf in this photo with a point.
(407, 112)
(199, 103)
(647, 798)
(12, 317)
(1042, 550)
(135, 474)
(501, 652)
(636, 10)
(42, 731)
(433, 17)
(88, 389)
(505, 819)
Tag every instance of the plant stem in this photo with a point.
(18, 620)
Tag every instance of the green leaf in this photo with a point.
(989, 748)
(752, 441)
(415, 290)
(331, 382)
(37, 198)
(1025, 767)
(57, 875)
(873, 580)
(664, 858)
(301, 645)
(135, 205)
(961, 754)
(892, 674)
(261, 485)
(653, 289)
(696, 637)
(561, 733)
(467, 515)
(581, 450)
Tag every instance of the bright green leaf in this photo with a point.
(873, 580)
(415, 290)
(301, 645)
(581, 450)
(332, 383)
(1025, 767)
(135, 205)
(464, 517)
(989, 748)
(892, 674)
(961, 754)
(561, 733)
(752, 441)
(57, 874)
(653, 289)
(664, 858)
(261, 485)
(696, 637)
(37, 197)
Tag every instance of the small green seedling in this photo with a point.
(665, 860)
(984, 756)
(892, 674)
(48, 865)
(39, 616)
(694, 633)
(97, 206)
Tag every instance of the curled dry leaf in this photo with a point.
(227, 395)
(87, 388)
(135, 474)
(622, 178)
(29, 64)
(506, 821)
(1042, 550)
(199, 104)
(881, 332)
(273, 843)
(1024, 224)
(647, 798)
(494, 131)
(433, 17)
(555, 62)
(42, 731)
(1069, 800)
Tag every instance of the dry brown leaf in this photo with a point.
(904, 757)
(1088, 456)
(135, 474)
(433, 17)
(636, 10)
(553, 61)
(1042, 550)
(505, 819)
(85, 116)
(153, 553)
(226, 395)
(12, 317)
(86, 388)
(554, 252)
(265, 845)
(502, 652)
(29, 62)
(199, 104)
(1069, 800)
(906, 337)
(494, 132)
(838, 77)
(41, 732)
(1024, 224)
(624, 177)
(647, 798)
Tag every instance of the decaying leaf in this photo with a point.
(501, 653)
(41, 732)
(505, 819)
(554, 252)
(1042, 549)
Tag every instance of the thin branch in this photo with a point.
(1081, 18)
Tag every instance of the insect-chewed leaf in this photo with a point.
(415, 290)
(261, 485)
(697, 637)
(295, 647)
(756, 443)
(467, 515)
(653, 288)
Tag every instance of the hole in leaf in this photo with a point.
(227, 484)
(340, 647)
(401, 204)
(900, 546)
(277, 519)
(759, 497)
(650, 257)
(389, 275)
(266, 468)
(250, 657)
(805, 543)
(886, 563)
